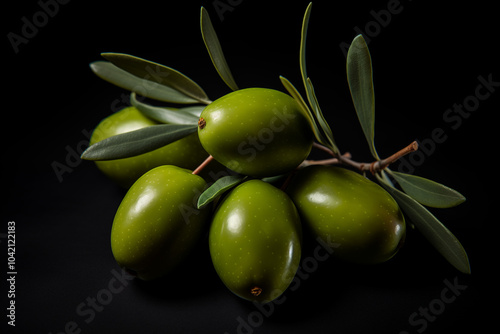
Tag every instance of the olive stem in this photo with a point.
(331, 161)
(374, 167)
(203, 165)
(396, 156)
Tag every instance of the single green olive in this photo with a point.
(256, 131)
(255, 241)
(157, 222)
(345, 208)
(185, 153)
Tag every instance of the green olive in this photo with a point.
(185, 153)
(256, 131)
(157, 223)
(343, 207)
(255, 241)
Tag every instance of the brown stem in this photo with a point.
(203, 165)
(331, 161)
(396, 156)
(323, 148)
(373, 167)
(288, 179)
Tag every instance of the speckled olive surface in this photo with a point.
(186, 152)
(255, 241)
(256, 131)
(345, 208)
(157, 223)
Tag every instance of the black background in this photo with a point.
(426, 59)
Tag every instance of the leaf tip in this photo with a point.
(203, 13)
(200, 204)
(460, 199)
(93, 65)
(86, 155)
(359, 38)
(106, 54)
(464, 267)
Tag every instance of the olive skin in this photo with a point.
(343, 207)
(157, 222)
(256, 131)
(186, 152)
(255, 241)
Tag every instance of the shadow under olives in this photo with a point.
(192, 278)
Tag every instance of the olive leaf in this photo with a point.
(272, 179)
(360, 79)
(322, 121)
(318, 133)
(428, 192)
(431, 228)
(162, 114)
(159, 74)
(218, 188)
(137, 142)
(303, 39)
(123, 79)
(215, 50)
(311, 96)
(194, 110)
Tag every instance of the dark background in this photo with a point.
(426, 59)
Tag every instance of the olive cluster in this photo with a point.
(256, 215)
(255, 228)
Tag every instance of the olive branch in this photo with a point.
(162, 83)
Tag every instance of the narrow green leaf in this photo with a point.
(194, 110)
(321, 119)
(218, 188)
(360, 79)
(273, 179)
(123, 79)
(215, 50)
(432, 229)
(162, 114)
(311, 96)
(159, 74)
(428, 192)
(303, 70)
(137, 142)
(303, 39)
(386, 177)
(305, 109)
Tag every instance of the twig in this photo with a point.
(203, 165)
(332, 161)
(373, 167)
